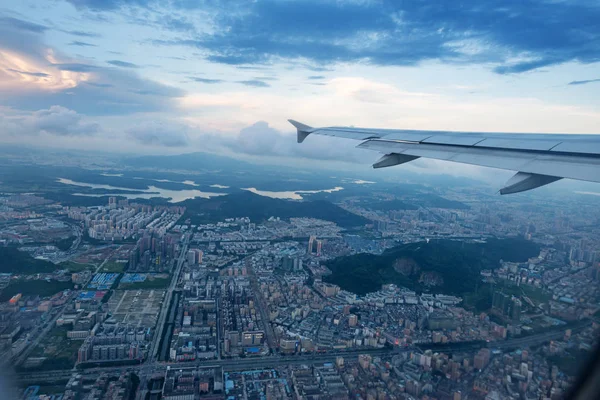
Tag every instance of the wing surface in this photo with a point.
(538, 158)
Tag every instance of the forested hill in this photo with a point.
(259, 208)
(445, 266)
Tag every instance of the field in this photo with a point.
(75, 266)
(113, 266)
(60, 351)
(151, 282)
(33, 287)
(136, 307)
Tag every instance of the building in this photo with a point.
(253, 338)
(352, 320)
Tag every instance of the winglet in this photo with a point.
(303, 130)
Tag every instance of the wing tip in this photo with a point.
(303, 130)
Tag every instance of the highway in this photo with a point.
(164, 311)
(271, 361)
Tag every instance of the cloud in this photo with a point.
(20, 25)
(538, 32)
(161, 133)
(585, 82)
(105, 5)
(255, 83)
(81, 44)
(75, 67)
(206, 80)
(81, 33)
(368, 103)
(124, 64)
(261, 140)
(316, 77)
(56, 120)
(34, 76)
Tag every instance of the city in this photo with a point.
(133, 300)
(299, 199)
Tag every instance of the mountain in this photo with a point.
(259, 208)
(444, 266)
(189, 162)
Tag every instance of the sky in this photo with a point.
(168, 77)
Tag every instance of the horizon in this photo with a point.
(185, 80)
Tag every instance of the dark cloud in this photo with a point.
(160, 133)
(99, 85)
(20, 25)
(206, 80)
(585, 82)
(75, 67)
(123, 64)
(106, 5)
(37, 74)
(176, 24)
(81, 33)
(255, 83)
(387, 32)
(251, 67)
(81, 44)
(173, 58)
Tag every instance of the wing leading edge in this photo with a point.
(539, 159)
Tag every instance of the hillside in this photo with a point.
(444, 266)
(19, 262)
(259, 208)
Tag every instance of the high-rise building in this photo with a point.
(311, 242)
(191, 257)
(515, 312)
(319, 246)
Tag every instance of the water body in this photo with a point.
(291, 195)
(589, 193)
(191, 183)
(175, 195)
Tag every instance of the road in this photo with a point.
(263, 309)
(164, 311)
(271, 361)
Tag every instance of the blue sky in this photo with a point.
(224, 76)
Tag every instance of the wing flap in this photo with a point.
(518, 144)
(566, 166)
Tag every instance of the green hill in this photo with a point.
(259, 208)
(20, 262)
(443, 266)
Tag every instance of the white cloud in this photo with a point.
(56, 120)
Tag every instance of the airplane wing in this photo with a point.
(540, 159)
